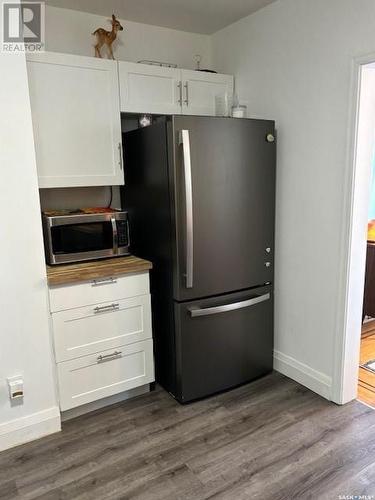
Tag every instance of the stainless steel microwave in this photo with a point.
(83, 235)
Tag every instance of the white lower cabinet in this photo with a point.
(102, 337)
(104, 374)
(98, 290)
(81, 331)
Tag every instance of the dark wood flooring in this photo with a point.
(269, 440)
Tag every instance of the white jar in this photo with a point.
(239, 111)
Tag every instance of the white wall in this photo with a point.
(71, 198)
(292, 62)
(25, 347)
(70, 31)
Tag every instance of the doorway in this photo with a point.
(366, 377)
(355, 226)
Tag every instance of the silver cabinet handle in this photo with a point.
(185, 141)
(120, 154)
(110, 307)
(186, 100)
(108, 357)
(106, 281)
(198, 311)
(179, 86)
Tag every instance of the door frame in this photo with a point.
(352, 256)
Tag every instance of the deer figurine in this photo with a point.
(107, 37)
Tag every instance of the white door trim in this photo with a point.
(349, 304)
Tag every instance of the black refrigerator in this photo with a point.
(200, 192)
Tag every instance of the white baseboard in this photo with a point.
(101, 403)
(303, 374)
(25, 429)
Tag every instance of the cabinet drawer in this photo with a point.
(86, 330)
(89, 378)
(107, 289)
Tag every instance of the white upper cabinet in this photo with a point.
(201, 91)
(76, 119)
(154, 89)
(149, 89)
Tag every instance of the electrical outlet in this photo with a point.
(15, 386)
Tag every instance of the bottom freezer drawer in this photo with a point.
(103, 374)
(223, 342)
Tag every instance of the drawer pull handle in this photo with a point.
(206, 311)
(107, 281)
(111, 307)
(108, 357)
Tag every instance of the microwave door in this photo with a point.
(80, 237)
(83, 241)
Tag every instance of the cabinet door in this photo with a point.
(76, 119)
(149, 89)
(202, 91)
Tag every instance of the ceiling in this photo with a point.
(197, 16)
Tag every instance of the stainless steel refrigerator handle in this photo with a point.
(206, 311)
(185, 141)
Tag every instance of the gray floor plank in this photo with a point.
(272, 439)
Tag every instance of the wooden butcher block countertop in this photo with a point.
(64, 274)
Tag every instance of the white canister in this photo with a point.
(239, 111)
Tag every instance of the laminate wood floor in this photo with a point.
(270, 440)
(366, 378)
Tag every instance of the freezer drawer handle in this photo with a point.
(185, 141)
(198, 311)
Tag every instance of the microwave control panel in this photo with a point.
(122, 233)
